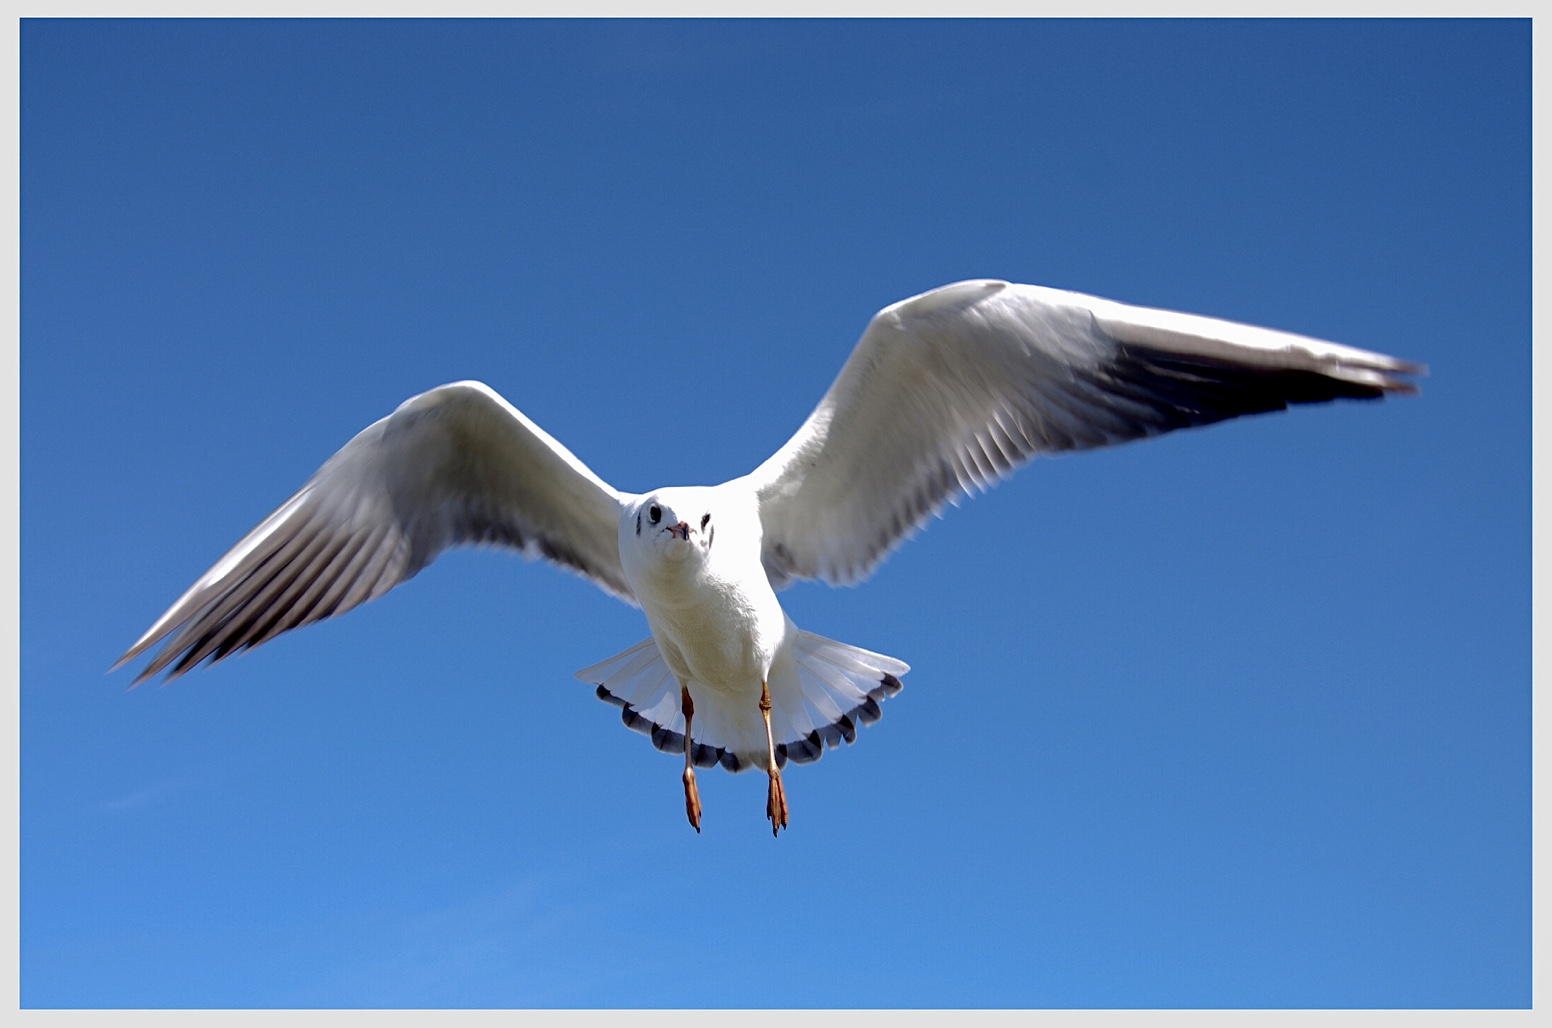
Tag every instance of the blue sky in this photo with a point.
(1236, 717)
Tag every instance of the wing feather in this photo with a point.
(950, 391)
(454, 466)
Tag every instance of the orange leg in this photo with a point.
(776, 797)
(692, 796)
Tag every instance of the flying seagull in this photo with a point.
(945, 393)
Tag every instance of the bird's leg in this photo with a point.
(776, 798)
(692, 796)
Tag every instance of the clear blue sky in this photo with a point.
(1236, 717)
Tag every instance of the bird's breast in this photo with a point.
(720, 632)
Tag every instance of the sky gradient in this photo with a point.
(1236, 717)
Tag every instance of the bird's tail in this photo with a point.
(820, 691)
(830, 689)
(639, 682)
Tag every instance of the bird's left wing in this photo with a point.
(455, 465)
(951, 390)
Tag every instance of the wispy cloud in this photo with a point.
(494, 949)
(146, 796)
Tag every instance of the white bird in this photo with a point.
(945, 393)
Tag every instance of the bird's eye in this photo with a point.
(705, 520)
(655, 513)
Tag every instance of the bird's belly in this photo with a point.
(724, 641)
(715, 650)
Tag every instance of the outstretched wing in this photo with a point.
(951, 390)
(452, 466)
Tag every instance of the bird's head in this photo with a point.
(669, 525)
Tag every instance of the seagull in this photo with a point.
(944, 394)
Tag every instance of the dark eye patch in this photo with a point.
(705, 520)
(655, 513)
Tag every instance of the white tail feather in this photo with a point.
(820, 690)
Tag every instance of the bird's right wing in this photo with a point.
(951, 390)
(455, 465)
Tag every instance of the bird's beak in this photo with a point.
(679, 531)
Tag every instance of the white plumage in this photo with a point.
(944, 393)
